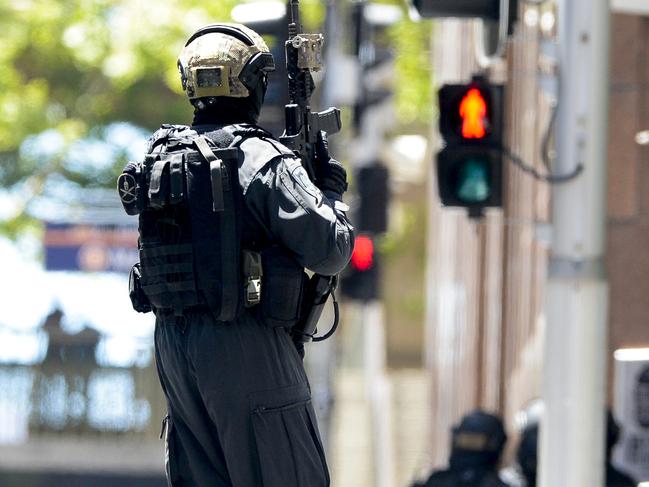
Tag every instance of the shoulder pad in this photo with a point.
(175, 126)
(264, 150)
(163, 133)
(257, 153)
(247, 130)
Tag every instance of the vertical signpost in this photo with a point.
(572, 431)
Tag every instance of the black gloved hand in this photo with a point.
(330, 174)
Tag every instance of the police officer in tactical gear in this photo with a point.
(614, 476)
(476, 448)
(527, 456)
(229, 221)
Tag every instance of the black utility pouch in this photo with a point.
(282, 288)
(139, 300)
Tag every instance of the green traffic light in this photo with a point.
(473, 185)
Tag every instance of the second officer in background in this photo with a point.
(476, 447)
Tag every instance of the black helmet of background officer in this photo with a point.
(477, 442)
(224, 72)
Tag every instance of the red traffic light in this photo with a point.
(473, 112)
(363, 254)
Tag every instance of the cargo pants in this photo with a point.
(239, 405)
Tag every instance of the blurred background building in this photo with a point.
(486, 318)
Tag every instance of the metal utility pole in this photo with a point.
(572, 431)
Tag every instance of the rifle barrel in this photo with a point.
(294, 6)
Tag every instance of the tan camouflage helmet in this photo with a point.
(224, 60)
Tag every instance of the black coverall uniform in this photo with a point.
(238, 397)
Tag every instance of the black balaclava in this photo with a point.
(222, 110)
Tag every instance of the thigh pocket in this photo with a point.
(288, 443)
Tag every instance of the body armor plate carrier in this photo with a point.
(189, 201)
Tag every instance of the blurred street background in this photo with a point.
(496, 269)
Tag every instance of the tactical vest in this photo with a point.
(188, 197)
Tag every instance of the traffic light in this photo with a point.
(469, 167)
(374, 197)
(360, 280)
(374, 49)
(489, 9)
(269, 19)
(498, 18)
(482, 9)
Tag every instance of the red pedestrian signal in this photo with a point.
(473, 111)
(363, 254)
(361, 279)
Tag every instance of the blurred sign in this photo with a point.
(632, 411)
(90, 248)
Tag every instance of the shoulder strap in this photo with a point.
(216, 172)
(224, 204)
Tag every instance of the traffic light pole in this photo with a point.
(572, 431)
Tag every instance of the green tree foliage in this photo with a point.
(70, 68)
(72, 65)
(414, 93)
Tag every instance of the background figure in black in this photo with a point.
(614, 477)
(476, 447)
(527, 456)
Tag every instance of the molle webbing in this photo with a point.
(169, 276)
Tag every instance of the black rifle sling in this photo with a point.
(224, 207)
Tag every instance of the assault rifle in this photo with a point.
(303, 127)
(303, 55)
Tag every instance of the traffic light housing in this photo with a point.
(274, 31)
(469, 167)
(489, 9)
(374, 197)
(360, 280)
(498, 17)
(374, 50)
